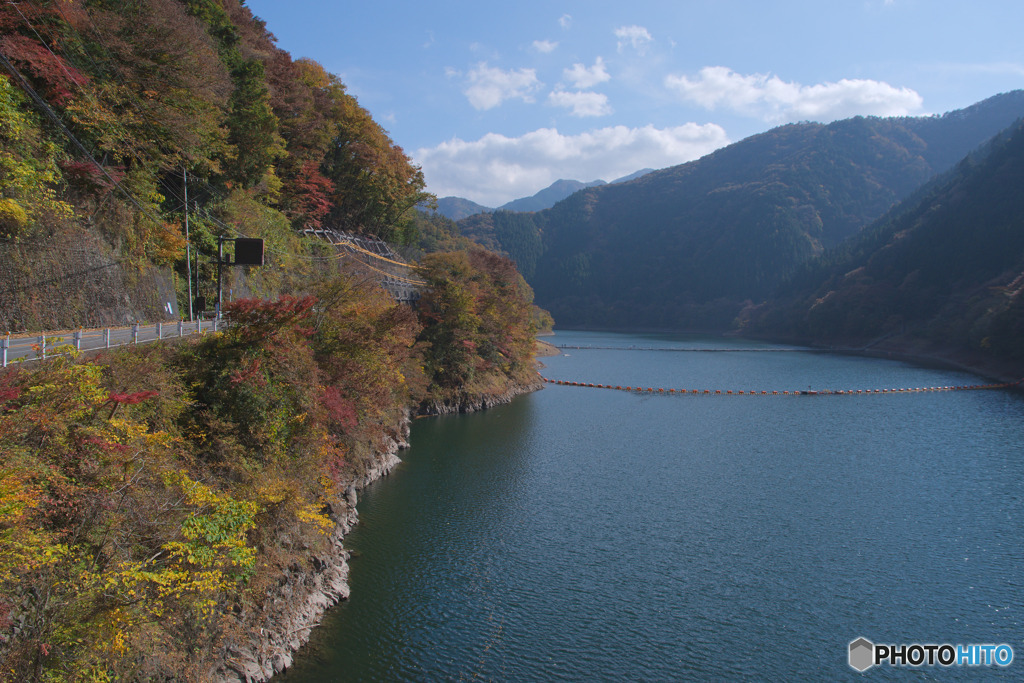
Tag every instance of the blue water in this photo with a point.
(586, 534)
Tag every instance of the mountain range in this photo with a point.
(941, 272)
(689, 247)
(457, 208)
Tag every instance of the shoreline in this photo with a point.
(283, 623)
(891, 349)
(290, 612)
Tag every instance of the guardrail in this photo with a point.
(22, 349)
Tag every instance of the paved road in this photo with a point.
(28, 348)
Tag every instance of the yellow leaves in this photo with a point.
(122, 431)
(166, 244)
(310, 514)
(268, 493)
(275, 491)
(24, 548)
(13, 218)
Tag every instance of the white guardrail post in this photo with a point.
(5, 343)
(42, 344)
(106, 337)
(135, 333)
(78, 339)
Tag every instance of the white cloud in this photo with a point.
(490, 87)
(775, 100)
(565, 21)
(636, 36)
(581, 103)
(583, 77)
(544, 46)
(496, 169)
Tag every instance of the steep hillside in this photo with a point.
(175, 511)
(107, 108)
(942, 273)
(684, 247)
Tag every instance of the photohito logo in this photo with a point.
(864, 654)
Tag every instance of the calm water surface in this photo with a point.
(584, 534)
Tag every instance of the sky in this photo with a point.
(496, 101)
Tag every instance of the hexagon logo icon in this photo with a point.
(862, 654)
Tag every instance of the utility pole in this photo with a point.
(220, 262)
(188, 244)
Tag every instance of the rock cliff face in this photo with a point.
(283, 622)
(56, 283)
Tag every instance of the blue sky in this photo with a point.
(496, 101)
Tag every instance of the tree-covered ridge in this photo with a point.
(685, 247)
(941, 273)
(107, 106)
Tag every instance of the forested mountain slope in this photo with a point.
(941, 273)
(105, 108)
(685, 247)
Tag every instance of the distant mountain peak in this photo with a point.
(457, 208)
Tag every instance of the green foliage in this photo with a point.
(253, 126)
(376, 186)
(435, 233)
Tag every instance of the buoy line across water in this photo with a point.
(797, 392)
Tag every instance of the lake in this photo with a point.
(586, 534)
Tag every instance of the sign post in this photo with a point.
(248, 252)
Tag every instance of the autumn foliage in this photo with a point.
(150, 499)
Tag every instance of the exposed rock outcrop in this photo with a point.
(471, 404)
(284, 620)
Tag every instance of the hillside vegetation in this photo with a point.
(941, 274)
(686, 247)
(162, 508)
(106, 107)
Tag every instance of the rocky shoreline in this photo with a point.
(473, 404)
(284, 621)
